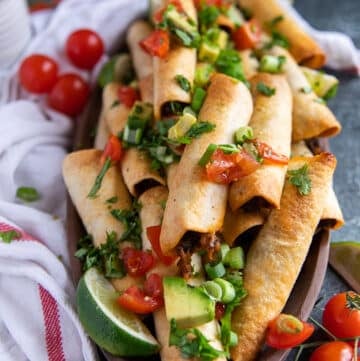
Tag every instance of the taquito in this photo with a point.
(276, 256)
(102, 132)
(332, 217)
(271, 123)
(249, 63)
(180, 60)
(196, 204)
(311, 116)
(302, 47)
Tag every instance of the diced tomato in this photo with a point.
(128, 95)
(220, 309)
(153, 286)
(218, 3)
(226, 168)
(112, 150)
(247, 36)
(157, 43)
(137, 263)
(269, 155)
(158, 15)
(134, 299)
(153, 233)
(286, 331)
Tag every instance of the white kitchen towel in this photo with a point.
(37, 321)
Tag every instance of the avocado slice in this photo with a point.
(189, 306)
(180, 21)
(208, 52)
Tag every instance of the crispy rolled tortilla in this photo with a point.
(146, 87)
(115, 113)
(196, 204)
(302, 47)
(102, 133)
(311, 118)
(271, 122)
(249, 63)
(180, 60)
(332, 217)
(142, 61)
(276, 256)
(238, 222)
(137, 172)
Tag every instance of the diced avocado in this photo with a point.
(324, 85)
(208, 52)
(182, 126)
(189, 306)
(222, 39)
(141, 113)
(180, 21)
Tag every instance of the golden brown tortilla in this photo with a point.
(249, 63)
(280, 249)
(102, 132)
(194, 203)
(302, 47)
(271, 122)
(146, 87)
(311, 118)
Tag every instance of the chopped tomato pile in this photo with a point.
(137, 263)
(128, 95)
(248, 35)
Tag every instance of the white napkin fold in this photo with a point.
(37, 318)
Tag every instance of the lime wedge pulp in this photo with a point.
(345, 258)
(114, 329)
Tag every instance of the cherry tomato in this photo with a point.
(333, 351)
(342, 315)
(268, 155)
(247, 36)
(286, 331)
(84, 48)
(38, 73)
(226, 168)
(153, 234)
(69, 95)
(113, 150)
(128, 95)
(137, 263)
(157, 43)
(134, 299)
(153, 286)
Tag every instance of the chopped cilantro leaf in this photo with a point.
(27, 194)
(264, 89)
(112, 200)
(300, 179)
(195, 131)
(183, 83)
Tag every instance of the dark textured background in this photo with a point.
(344, 16)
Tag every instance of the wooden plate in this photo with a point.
(305, 291)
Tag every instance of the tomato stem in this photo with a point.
(323, 328)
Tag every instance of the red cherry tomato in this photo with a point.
(128, 95)
(84, 48)
(153, 234)
(342, 315)
(134, 299)
(69, 94)
(137, 263)
(247, 36)
(286, 331)
(268, 155)
(226, 168)
(333, 351)
(38, 73)
(157, 43)
(113, 150)
(153, 286)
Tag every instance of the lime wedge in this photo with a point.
(114, 329)
(345, 258)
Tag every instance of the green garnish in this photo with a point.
(115, 104)
(105, 258)
(196, 131)
(207, 16)
(229, 63)
(131, 221)
(192, 343)
(331, 93)
(99, 178)
(198, 99)
(228, 148)
(112, 200)
(300, 179)
(275, 21)
(107, 72)
(207, 155)
(243, 134)
(8, 236)
(272, 64)
(264, 89)
(203, 73)
(27, 194)
(183, 83)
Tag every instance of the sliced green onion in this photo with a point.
(229, 148)
(243, 134)
(215, 271)
(202, 74)
(331, 92)
(198, 99)
(213, 289)
(99, 178)
(189, 110)
(132, 136)
(235, 258)
(272, 64)
(228, 290)
(233, 341)
(224, 249)
(207, 155)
